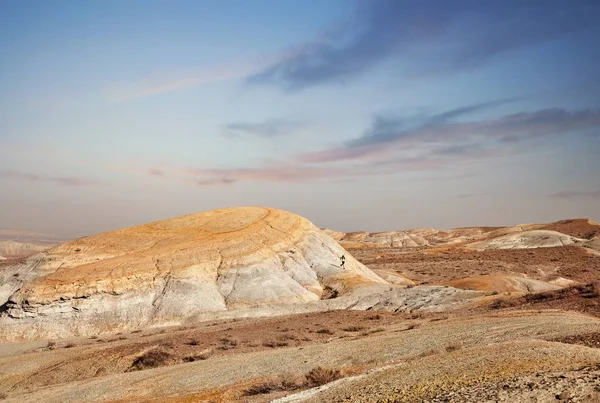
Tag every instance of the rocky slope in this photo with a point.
(173, 269)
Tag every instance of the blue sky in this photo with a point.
(358, 114)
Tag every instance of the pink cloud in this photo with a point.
(64, 181)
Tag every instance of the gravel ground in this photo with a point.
(581, 385)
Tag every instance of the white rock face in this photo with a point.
(164, 272)
(527, 239)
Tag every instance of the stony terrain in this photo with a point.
(484, 314)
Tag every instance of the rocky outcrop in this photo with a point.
(166, 271)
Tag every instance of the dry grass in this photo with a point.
(151, 359)
(315, 377)
(3, 396)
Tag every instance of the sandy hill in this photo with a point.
(167, 270)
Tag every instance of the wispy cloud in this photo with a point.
(472, 195)
(393, 145)
(269, 173)
(295, 172)
(268, 128)
(456, 137)
(63, 181)
(156, 83)
(576, 195)
(156, 172)
(462, 34)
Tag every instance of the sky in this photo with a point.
(357, 114)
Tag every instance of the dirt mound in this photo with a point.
(168, 270)
(502, 284)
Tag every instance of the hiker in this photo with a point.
(343, 259)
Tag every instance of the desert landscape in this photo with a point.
(367, 201)
(253, 305)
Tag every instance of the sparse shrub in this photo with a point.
(69, 345)
(457, 345)
(51, 345)
(353, 328)
(431, 351)
(287, 336)
(595, 289)
(137, 331)
(324, 331)
(198, 357)
(3, 396)
(94, 337)
(411, 326)
(193, 342)
(375, 317)
(101, 371)
(502, 302)
(268, 386)
(151, 359)
(320, 376)
(274, 344)
(122, 338)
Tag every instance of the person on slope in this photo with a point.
(343, 260)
